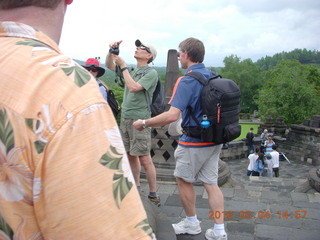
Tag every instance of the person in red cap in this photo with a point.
(134, 106)
(93, 66)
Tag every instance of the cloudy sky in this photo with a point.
(246, 28)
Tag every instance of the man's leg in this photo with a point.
(187, 197)
(135, 168)
(216, 201)
(189, 225)
(146, 162)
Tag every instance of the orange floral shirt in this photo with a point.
(64, 173)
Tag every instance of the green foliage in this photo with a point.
(248, 77)
(245, 128)
(304, 56)
(291, 91)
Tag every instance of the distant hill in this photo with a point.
(304, 56)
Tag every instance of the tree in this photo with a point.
(291, 92)
(248, 77)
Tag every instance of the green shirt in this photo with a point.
(134, 105)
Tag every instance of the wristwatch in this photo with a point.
(144, 124)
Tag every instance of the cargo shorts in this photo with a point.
(137, 143)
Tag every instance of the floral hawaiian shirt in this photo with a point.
(64, 173)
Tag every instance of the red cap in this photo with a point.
(92, 61)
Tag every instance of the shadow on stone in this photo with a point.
(158, 220)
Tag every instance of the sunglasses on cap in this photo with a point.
(92, 69)
(145, 48)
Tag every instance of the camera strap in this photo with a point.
(119, 77)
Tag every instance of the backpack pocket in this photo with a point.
(207, 134)
(231, 132)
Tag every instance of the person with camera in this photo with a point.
(57, 139)
(134, 106)
(196, 160)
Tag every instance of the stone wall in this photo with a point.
(303, 141)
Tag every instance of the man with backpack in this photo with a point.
(196, 159)
(135, 106)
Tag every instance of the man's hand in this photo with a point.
(115, 44)
(138, 124)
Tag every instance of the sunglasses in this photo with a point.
(145, 48)
(92, 69)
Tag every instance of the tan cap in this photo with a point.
(153, 51)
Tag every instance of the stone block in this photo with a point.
(315, 124)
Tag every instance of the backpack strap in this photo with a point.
(203, 80)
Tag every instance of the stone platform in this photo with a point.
(293, 206)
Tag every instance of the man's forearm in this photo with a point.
(110, 63)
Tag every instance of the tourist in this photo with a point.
(195, 160)
(275, 160)
(252, 159)
(134, 106)
(264, 138)
(249, 141)
(268, 144)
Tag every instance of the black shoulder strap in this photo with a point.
(201, 78)
(203, 81)
(198, 76)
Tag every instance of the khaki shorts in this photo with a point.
(137, 143)
(198, 164)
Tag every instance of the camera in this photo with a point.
(114, 50)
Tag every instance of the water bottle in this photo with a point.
(205, 122)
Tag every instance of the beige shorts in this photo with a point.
(198, 164)
(137, 143)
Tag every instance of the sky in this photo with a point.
(246, 28)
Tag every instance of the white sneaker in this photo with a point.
(185, 227)
(210, 235)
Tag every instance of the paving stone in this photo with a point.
(311, 224)
(299, 197)
(314, 198)
(228, 192)
(282, 222)
(167, 188)
(252, 198)
(243, 228)
(244, 206)
(299, 234)
(307, 205)
(172, 211)
(272, 232)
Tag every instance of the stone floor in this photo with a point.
(257, 208)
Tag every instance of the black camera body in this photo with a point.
(114, 50)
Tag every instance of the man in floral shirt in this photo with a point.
(64, 173)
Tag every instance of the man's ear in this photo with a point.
(68, 2)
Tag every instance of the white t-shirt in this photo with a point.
(275, 159)
(253, 158)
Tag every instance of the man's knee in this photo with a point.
(145, 160)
